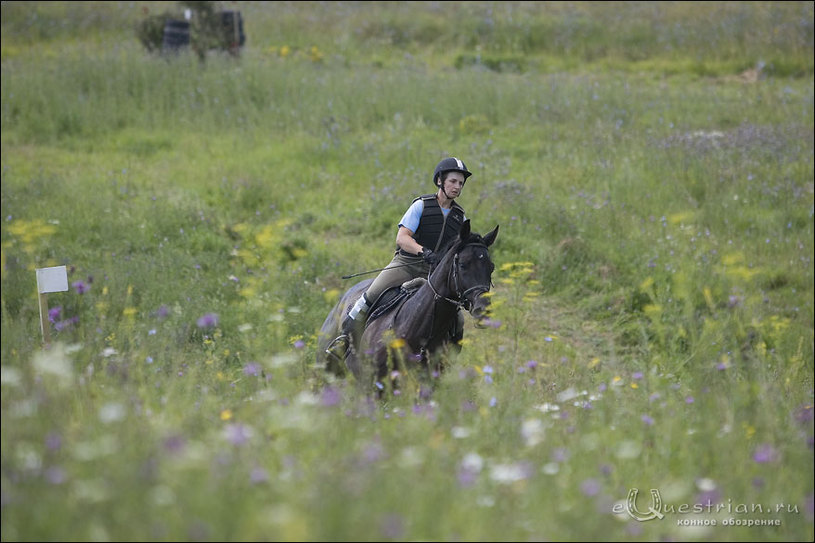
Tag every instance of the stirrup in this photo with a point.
(335, 346)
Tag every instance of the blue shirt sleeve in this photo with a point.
(410, 219)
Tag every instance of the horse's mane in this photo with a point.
(455, 245)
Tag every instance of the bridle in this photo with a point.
(461, 299)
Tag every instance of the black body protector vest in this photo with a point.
(435, 230)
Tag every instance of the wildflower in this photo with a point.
(532, 432)
(469, 468)
(689, 400)
(765, 453)
(162, 312)
(636, 375)
(590, 487)
(80, 287)
(252, 368)
(53, 441)
(55, 475)
(237, 434)
(330, 397)
(299, 344)
(372, 453)
(258, 475)
(649, 421)
(54, 313)
(708, 498)
(209, 320)
(803, 414)
(511, 473)
(174, 444)
(560, 455)
(392, 526)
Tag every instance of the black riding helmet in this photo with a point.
(450, 164)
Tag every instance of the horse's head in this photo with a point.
(470, 274)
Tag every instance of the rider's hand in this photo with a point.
(429, 256)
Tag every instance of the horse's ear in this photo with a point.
(490, 238)
(464, 233)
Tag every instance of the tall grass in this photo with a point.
(652, 322)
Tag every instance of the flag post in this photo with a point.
(49, 280)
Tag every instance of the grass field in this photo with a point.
(651, 169)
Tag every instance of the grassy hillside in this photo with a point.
(651, 169)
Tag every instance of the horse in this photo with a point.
(416, 331)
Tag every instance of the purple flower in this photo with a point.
(162, 312)
(560, 455)
(330, 397)
(209, 320)
(532, 364)
(374, 452)
(765, 453)
(252, 368)
(636, 375)
(258, 475)
(721, 366)
(709, 498)
(55, 475)
(590, 487)
(689, 400)
(174, 444)
(734, 301)
(237, 434)
(803, 414)
(80, 287)
(392, 526)
(647, 420)
(53, 441)
(299, 344)
(54, 313)
(466, 476)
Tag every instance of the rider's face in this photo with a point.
(453, 183)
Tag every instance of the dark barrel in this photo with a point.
(176, 35)
(232, 28)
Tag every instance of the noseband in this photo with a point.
(461, 299)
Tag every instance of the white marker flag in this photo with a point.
(52, 279)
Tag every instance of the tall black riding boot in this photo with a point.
(337, 350)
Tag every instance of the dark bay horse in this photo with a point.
(417, 330)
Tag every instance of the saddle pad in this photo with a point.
(388, 300)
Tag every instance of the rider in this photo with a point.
(429, 224)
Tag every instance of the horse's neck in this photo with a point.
(425, 313)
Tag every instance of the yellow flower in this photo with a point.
(226, 414)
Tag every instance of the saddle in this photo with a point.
(392, 297)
